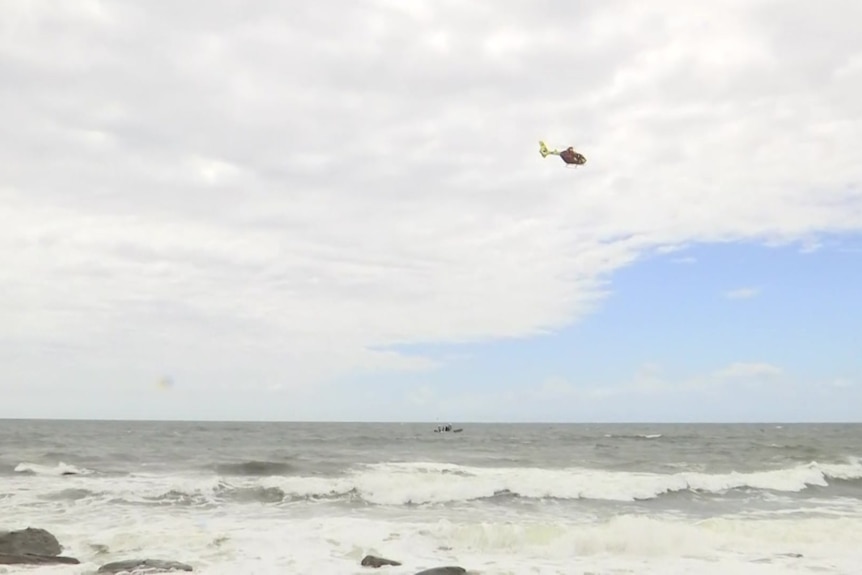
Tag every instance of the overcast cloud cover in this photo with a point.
(259, 199)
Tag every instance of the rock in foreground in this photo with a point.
(29, 541)
(142, 566)
(373, 561)
(33, 559)
(449, 570)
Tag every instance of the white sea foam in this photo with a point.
(263, 541)
(398, 483)
(426, 482)
(257, 504)
(52, 470)
(194, 519)
(635, 436)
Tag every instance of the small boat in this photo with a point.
(447, 429)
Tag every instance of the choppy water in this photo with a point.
(496, 499)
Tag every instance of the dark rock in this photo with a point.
(372, 561)
(33, 559)
(30, 541)
(771, 559)
(450, 570)
(99, 548)
(144, 566)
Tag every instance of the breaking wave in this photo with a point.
(256, 468)
(53, 470)
(420, 483)
(635, 436)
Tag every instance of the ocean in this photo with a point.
(496, 499)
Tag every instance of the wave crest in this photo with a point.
(419, 483)
(59, 469)
(256, 468)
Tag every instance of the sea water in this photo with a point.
(267, 498)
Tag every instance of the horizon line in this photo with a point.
(435, 422)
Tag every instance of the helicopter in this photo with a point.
(569, 155)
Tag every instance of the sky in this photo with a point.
(338, 211)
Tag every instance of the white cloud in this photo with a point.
(810, 246)
(685, 260)
(555, 387)
(423, 395)
(650, 383)
(272, 193)
(748, 371)
(742, 293)
(651, 379)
